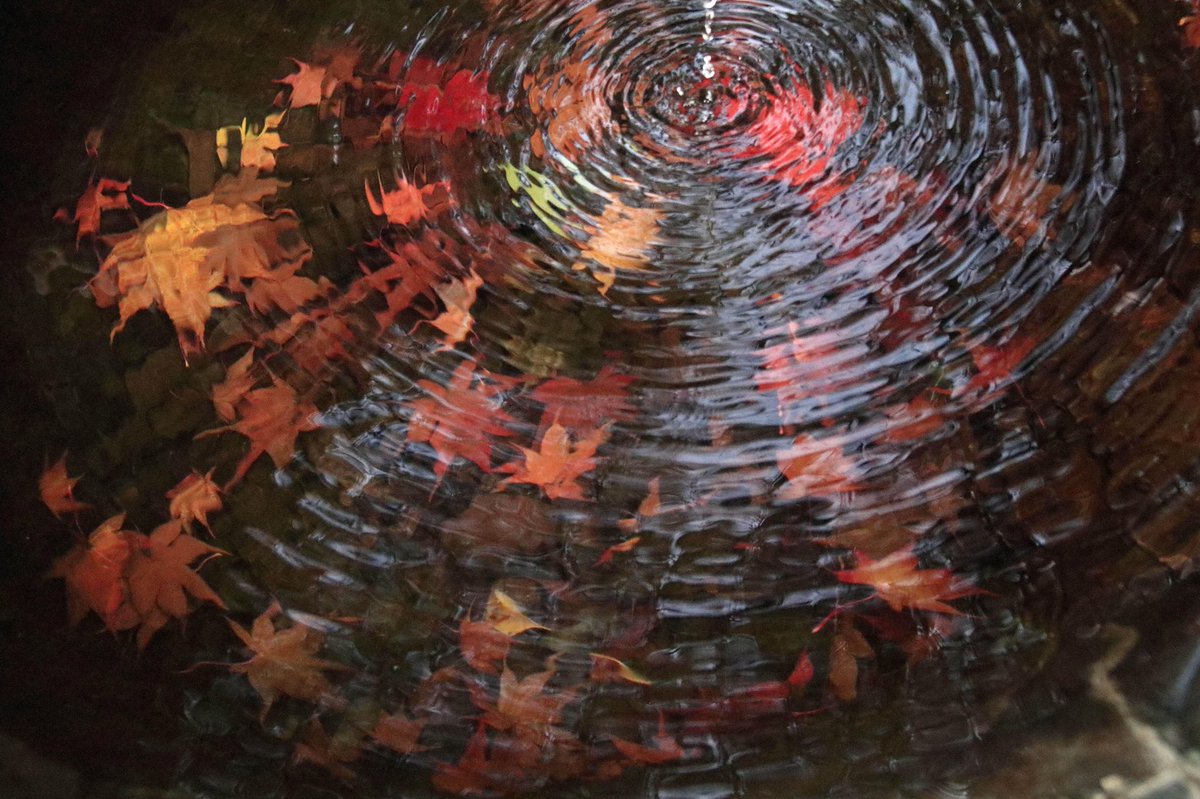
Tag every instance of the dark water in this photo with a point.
(835, 281)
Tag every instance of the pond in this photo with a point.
(729, 398)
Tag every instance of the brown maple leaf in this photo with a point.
(606, 669)
(284, 661)
(847, 647)
(472, 775)
(584, 404)
(160, 577)
(459, 419)
(525, 705)
(399, 733)
(95, 576)
(194, 498)
(271, 418)
(558, 463)
(55, 489)
(898, 582)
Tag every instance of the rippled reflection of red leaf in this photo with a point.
(796, 137)
(462, 103)
(585, 404)
(664, 750)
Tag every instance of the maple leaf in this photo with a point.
(439, 111)
(160, 578)
(399, 733)
(1022, 206)
(620, 240)
(458, 296)
(665, 749)
(797, 370)
(179, 257)
(898, 582)
(271, 418)
(412, 273)
(459, 419)
(795, 139)
(802, 673)
(572, 108)
(816, 468)
(101, 195)
(260, 144)
(559, 462)
(584, 404)
(310, 84)
(408, 203)
(239, 380)
(94, 572)
(484, 644)
(55, 489)
(282, 288)
(194, 498)
(847, 647)
(284, 661)
(525, 705)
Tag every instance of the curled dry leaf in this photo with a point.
(607, 669)
(56, 489)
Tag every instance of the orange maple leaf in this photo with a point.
(459, 419)
(160, 578)
(559, 463)
(284, 661)
(259, 144)
(194, 498)
(310, 84)
(996, 365)
(271, 418)
(55, 489)
(239, 380)
(407, 203)
(898, 582)
(525, 704)
(399, 733)
(95, 576)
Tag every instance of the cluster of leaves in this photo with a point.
(197, 262)
(132, 580)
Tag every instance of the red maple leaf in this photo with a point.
(459, 419)
(439, 110)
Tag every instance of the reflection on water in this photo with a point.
(693, 399)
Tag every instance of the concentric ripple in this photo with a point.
(820, 284)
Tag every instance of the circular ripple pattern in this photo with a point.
(821, 284)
